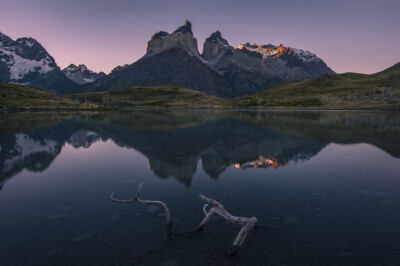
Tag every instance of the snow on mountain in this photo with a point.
(81, 74)
(270, 50)
(19, 67)
(25, 61)
(24, 56)
(287, 63)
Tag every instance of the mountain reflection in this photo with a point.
(175, 141)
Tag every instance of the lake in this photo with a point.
(324, 186)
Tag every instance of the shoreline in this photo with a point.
(69, 110)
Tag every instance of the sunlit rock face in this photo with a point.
(226, 59)
(246, 72)
(181, 38)
(286, 62)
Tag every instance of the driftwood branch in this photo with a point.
(147, 202)
(247, 223)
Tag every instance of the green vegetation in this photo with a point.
(152, 97)
(343, 91)
(20, 97)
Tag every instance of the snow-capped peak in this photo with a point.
(82, 67)
(270, 50)
(305, 55)
(81, 74)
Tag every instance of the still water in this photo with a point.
(327, 184)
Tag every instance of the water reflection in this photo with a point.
(175, 141)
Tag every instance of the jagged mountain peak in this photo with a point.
(83, 67)
(81, 74)
(159, 35)
(270, 50)
(187, 27)
(74, 68)
(216, 37)
(28, 41)
(181, 38)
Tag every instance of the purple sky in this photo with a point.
(357, 36)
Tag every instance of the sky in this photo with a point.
(350, 36)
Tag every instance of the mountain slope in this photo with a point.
(21, 97)
(343, 91)
(25, 61)
(172, 67)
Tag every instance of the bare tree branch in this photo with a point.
(147, 202)
(247, 223)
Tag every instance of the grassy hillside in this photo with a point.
(157, 96)
(343, 91)
(20, 97)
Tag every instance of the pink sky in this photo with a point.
(356, 36)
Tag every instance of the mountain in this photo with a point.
(170, 59)
(81, 74)
(221, 70)
(288, 63)
(25, 61)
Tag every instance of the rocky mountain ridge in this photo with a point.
(171, 59)
(81, 74)
(25, 61)
(221, 70)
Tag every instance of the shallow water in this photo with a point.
(328, 183)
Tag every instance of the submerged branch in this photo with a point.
(247, 223)
(147, 202)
